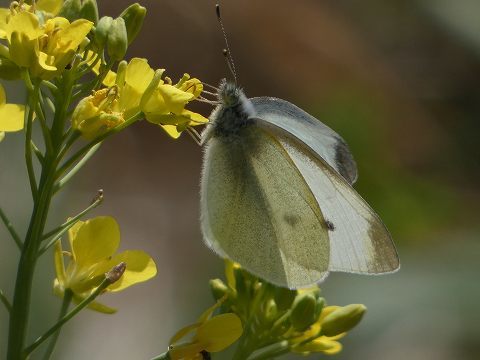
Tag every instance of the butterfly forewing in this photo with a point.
(258, 210)
(311, 131)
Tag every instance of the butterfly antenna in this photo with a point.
(226, 52)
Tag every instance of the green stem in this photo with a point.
(84, 150)
(271, 352)
(105, 283)
(11, 229)
(164, 356)
(67, 299)
(37, 152)
(26, 266)
(61, 183)
(33, 99)
(4, 300)
(73, 220)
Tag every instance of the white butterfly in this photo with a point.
(276, 195)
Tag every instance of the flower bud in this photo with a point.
(116, 272)
(22, 49)
(89, 11)
(101, 32)
(342, 319)
(281, 326)
(319, 307)
(133, 16)
(303, 312)
(218, 288)
(117, 41)
(271, 311)
(71, 10)
(284, 298)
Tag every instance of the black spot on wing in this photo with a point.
(291, 219)
(330, 225)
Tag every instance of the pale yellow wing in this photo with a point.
(359, 241)
(258, 210)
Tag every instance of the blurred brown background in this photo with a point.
(398, 79)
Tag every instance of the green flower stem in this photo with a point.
(271, 352)
(11, 229)
(26, 266)
(73, 220)
(67, 300)
(61, 183)
(33, 99)
(164, 356)
(104, 284)
(37, 152)
(19, 315)
(84, 150)
(40, 112)
(4, 300)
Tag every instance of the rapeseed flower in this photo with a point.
(93, 246)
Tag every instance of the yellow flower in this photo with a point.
(50, 6)
(46, 48)
(93, 246)
(164, 105)
(95, 115)
(211, 334)
(11, 115)
(311, 341)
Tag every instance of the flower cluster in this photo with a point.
(277, 321)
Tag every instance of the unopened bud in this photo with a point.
(117, 41)
(303, 312)
(218, 288)
(342, 319)
(284, 298)
(89, 11)
(101, 32)
(71, 10)
(133, 16)
(116, 272)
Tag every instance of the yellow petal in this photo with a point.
(94, 305)
(171, 130)
(50, 6)
(193, 86)
(46, 62)
(175, 99)
(183, 332)
(321, 344)
(185, 351)
(26, 23)
(59, 263)
(73, 35)
(11, 117)
(139, 74)
(4, 13)
(95, 241)
(140, 268)
(2, 135)
(23, 51)
(3, 95)
(220, 332)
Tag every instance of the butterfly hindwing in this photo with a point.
(258, 210)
